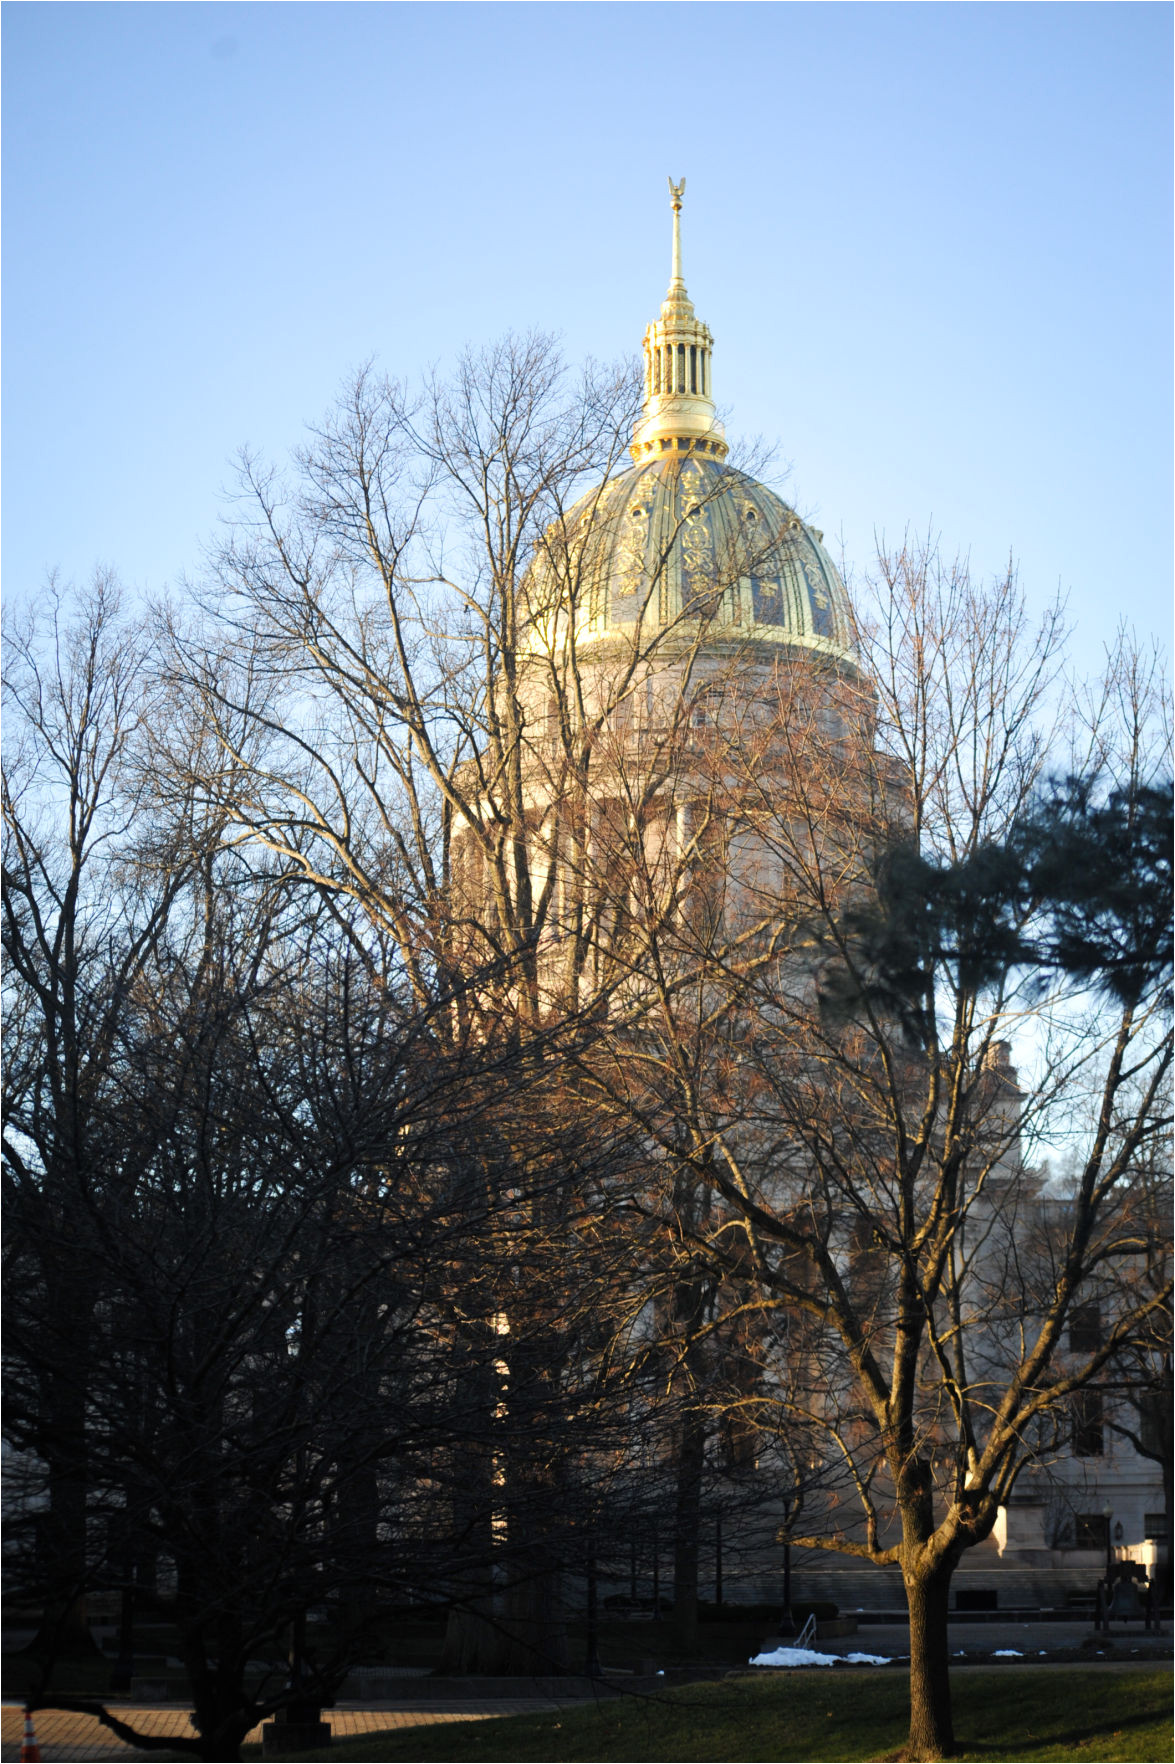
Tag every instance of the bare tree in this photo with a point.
(80, 924)
(425, 877)
(274, 1256)
(238, 1225)
(401, 675)
(833, 1075)
(1139, 1383)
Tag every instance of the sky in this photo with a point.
(933, 242)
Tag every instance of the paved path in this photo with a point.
(1033, 1641)
(64, 1738)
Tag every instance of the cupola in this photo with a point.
(679, 404)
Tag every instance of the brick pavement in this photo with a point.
(66, 1738)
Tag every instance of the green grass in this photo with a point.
(1048, 1714)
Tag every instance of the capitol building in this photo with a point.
(684, 626)
(673, 603)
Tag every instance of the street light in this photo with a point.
(787, 1623)
(1107, 1515)
(592, 1667)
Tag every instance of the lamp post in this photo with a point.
(124, 1667)
(298, 1725)
(1107, 1515)
(592, 1664)
(787, 1623)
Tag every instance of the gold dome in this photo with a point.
(682, 537)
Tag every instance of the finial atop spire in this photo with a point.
(676, 191)
(679, 406)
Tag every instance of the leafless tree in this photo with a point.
(240, 1222)
(80, 924)
(831, 1082)
(610, 1039)
(398, 672)
(1138, 1384)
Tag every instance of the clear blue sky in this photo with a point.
(933, 243)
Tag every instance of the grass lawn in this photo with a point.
(1047, 1714)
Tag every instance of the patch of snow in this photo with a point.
(1007, 1654)
(808, 1657)
(793, 1657)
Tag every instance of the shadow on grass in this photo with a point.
(1072, 1736)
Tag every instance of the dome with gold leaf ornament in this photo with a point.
(681, 535)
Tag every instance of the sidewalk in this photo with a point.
(1035, 1642)
(67, 1738)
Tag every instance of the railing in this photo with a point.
(808, 1632)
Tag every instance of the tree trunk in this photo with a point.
(688, 1519)
(932, 1732)
(534, 1625)
(473, 1638)
(64, 1631)
(1163, 1565)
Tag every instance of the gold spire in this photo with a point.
(679, 409)
(676, 192)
